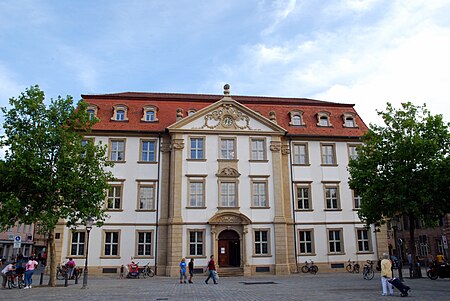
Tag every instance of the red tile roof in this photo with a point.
(168, 103)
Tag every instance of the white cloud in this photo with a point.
(281, 9)
(9, 86)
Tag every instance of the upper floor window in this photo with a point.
(323, 119)
(352, 151)
(114, 197)
(146, 196)
(92, 111)
(148, 151)
(149, 114)
(328, 154)
(116, 150)
(259, 193)
(196, 193)
(197, 148)
(120, 113)
(228, 148)
(191, 112)
(332, 201)
(356, 200)
(296, 118)
(303, 196)
(300, 155)
(228, 194)
(349, 120)
(258, 149)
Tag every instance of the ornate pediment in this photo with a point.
(229, 172)
(230, 218)
(227, 116)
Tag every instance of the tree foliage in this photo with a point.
(403, 168)
(49, 173)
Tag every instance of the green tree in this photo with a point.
(403, 168)
(49, 173)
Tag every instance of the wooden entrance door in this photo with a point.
(229, 249)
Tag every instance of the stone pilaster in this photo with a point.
(280, 226)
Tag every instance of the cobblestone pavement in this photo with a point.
(336, 286)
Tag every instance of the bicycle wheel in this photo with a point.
(305, 269)
(349, 268)
(78, 273)
(59, 275)
(20, 283)
(369, 275)
(10, 284)
(313, 270)
(150, 273)
(356, 268)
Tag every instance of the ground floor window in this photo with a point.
(306, 242)
(261, 242)
(363, 239)
(335, 241)
(144, 243)
(77, 243)
(111, 243)
(196, 243)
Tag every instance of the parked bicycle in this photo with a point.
(15, 280)
(61, 272)
(310, 267)
(352, 267)
(368, 272)
(147, 271)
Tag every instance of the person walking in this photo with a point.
(183, 270)
(70, 267)
(386, 275)
(191, 270)
(212, 270)
(30, 266)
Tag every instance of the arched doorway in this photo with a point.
(229, 249)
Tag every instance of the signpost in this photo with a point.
(17, 242)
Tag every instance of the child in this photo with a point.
(183, 270)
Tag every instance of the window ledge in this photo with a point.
(307, 254)
(227, 208)
(266, 207)
(147, 162)
(262, 255)
(196, 160)
(190, 207)
(304, 210)
(330, 165)
(197, 256)
(332, 254)
(356, 209)
(110, 257)
(76, 256)
(301, 164)
(144, 257)
(258, 161)
(115, 162)
(330, 209)
(115, 120)
(145, 210)
(150, 121)
(227, 160)
(113, 210)
(364, 252)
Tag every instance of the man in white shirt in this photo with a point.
(8, 268)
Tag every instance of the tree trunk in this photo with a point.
(52, 255)
(412, 246)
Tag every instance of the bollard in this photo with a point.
(41, 280)
(76, 277)
(66, 280)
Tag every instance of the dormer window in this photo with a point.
(120, 113)
(323, 119)
(92, 111)
(349, 120)
(149, 114)
(296, 118)
(191, 112)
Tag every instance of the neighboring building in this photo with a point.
(7, 239)
(428, 241)
(260, 182)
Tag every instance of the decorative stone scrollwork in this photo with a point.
(178, 144)
(229, 172)
(228, 218)
(214, 119)
(275, 146)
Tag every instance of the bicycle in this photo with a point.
(147, 271)
(352, 267)
(368, 272)
(11, 278)
(310, 267)
(61, 272)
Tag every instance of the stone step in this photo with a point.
(231, 272)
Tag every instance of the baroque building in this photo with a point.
(261, 183)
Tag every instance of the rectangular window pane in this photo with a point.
(261, 243)
(197, 148)
(146, 196)
(196, 243)
(259, 194)
(303, 197)
(117, 150)
(328, 154)
(227, 149)
(148, 151)
(114, 197)
(228, 194)
(258, 149)
(300, 155)
(196, 194)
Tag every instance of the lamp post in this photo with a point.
(89, 223)
(398, 244)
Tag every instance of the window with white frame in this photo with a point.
(323, 119)
(259, 193)
(92, 111)
(296, 118)
(328, 154)
(228, 193)
(335, 241)
(77, 243)
(117, 150)
(303, 196)
(196, 193)
(261, 242)
(144, 243)
(114, 197)
(332, 201)
(349, 120)
(258, 149)
(228, 148)
(363, 239)
(306, 241)
(146, 196)
(149, 114)
(424, 248)
(197, 148)
(196, 243)
(191, 112)
(111, 243)
(120, 113)
(356, 199)
(301, 153)
(353, 151)
(148, 151)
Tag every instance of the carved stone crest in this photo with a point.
(178, 144)
(275, 146)
(229, 172)
(229, 115)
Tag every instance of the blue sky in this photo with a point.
(365, 52)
